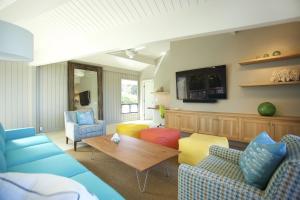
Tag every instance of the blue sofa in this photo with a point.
(21, 150)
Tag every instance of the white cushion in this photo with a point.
(15, 186)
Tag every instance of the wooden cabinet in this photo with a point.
(228, 127)
(284, 127)
(251, 127)
(208, 124)
(188, 123)
(183, 121)
(236, 127)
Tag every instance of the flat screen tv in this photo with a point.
(85, 98)
(202, 85)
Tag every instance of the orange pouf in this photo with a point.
(165, 136)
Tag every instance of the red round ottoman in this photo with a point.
(165, 136)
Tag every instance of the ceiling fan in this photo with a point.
(132, 52)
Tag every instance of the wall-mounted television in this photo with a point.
(85, 98)
(202, 85)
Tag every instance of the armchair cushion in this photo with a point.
(31, 153)
(85, 118)
(260, 160)
(222, 167)
(19, 133)
(25, 142)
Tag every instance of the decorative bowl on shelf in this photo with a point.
(266, 109)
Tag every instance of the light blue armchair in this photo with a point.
(77, 132)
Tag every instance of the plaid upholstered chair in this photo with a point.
(220, 177)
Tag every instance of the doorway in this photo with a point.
(147, 99)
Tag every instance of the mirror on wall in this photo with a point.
(85, 88)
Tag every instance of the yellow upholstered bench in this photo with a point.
(195, 148)
(132, 130)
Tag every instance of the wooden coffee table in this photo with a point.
(138, 154)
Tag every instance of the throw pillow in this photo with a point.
(85, 118)
(34, 187)
(3, 167)
(260, 159)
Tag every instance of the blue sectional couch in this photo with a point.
(21, 150)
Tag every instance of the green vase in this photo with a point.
(266, 109)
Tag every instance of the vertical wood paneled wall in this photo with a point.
(52, 93)
(112, 96)
(16, 94)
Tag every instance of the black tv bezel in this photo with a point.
(197, 70)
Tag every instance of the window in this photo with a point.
(129, 96)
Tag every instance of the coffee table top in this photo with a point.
(136, 153)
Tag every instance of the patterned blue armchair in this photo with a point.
(220, 177)
(77, 132)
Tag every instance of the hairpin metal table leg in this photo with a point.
(142, 189)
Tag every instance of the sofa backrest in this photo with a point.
(285, 182)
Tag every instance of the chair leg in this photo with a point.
(75, 146)
(67, 140)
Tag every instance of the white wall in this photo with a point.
(229, 49)
(112, 96)
(53, 96)
(17, 95)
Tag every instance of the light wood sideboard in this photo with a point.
(234, 126)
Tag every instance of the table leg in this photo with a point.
(142, 189)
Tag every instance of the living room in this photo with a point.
(149, 99)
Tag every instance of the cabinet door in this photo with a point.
(188, 122)
(229, 127)
(251, 127)
(208, 124)
(172, 121)
(282, 128)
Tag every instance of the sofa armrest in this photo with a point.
(11, 134)
(231, 155)
(198, 183)
(72, 130)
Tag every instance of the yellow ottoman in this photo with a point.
(195, 148)
(132, 130)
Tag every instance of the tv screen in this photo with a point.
(85, 98)
(202, 84)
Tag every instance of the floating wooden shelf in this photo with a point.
(156, 108)
(159, 92)
(269, 84)
(269, 59)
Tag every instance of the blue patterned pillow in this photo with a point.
(85, 118)
(260, 159)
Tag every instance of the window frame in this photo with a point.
(130, 104)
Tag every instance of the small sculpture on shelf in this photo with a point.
(285, 75)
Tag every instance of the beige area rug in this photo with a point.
(123, 178)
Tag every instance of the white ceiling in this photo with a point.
(72, 29)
